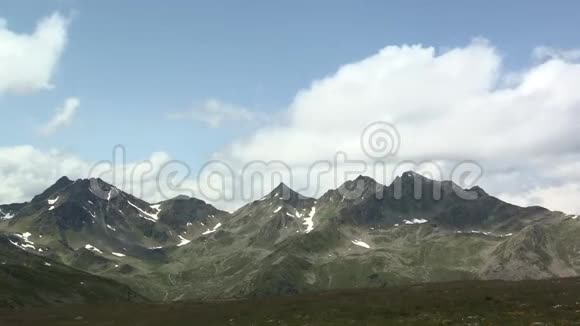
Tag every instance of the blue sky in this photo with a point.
(135, 64)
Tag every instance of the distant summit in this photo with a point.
(284, 192)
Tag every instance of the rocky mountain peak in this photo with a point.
(478, 190)
(64, 180)
(410, 177)
(284, 192)
(60, 184)
(79, 189)
(366, 180)
(411, 183)
(181, 197)
(359, 188)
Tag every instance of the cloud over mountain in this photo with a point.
(26, 170)
(448, 106)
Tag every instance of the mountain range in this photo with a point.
(363, 234)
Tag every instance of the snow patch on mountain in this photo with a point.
(361, 243)
(212, 230)
(144, 214)
(23, 246)
(93, 249)
(486, 233)
(415, 221)
(309, 220)
(90, 212)
(53, 201)
(278, 209)
(183, 242)
(6, 216)
(118, 254)
(24, 236)
(28, 244)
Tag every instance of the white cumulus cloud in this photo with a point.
(447, 106)
(215, 113)
(546, 52)
(63, 116)
(28, 61)
(562, 198)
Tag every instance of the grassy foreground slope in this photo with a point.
(30, 280)
(545, 302)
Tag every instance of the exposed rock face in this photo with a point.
(362, 234)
